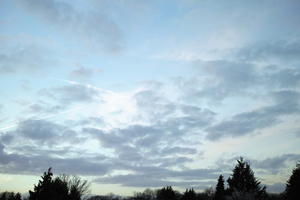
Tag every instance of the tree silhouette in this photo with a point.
(10, 196)
(220, 190)
(189, 194)
(43, 189)
(61, 188)
(242, 183)
(18, 196)
(147, 194)
(293, 184)
(166, 193)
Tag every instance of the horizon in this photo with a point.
(143, 94)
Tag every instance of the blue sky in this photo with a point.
(133, 94)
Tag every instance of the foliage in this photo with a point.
(147, 194)
(292, 190)
(166, 193)
(189, 194)
(243, 184)
(10, 196)
(61, 188)
(220, 189)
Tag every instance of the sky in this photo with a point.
(135, 94)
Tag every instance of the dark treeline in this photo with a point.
(241, 185)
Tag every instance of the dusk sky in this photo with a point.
(135, 94)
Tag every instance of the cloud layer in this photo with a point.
(177, 100)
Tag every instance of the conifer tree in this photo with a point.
(220, 190)
(293, 185)
(243, 184)
(166, 193)
(189, 194)
(61, 188)
(43, 189)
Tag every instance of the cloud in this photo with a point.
(71, 93)
(82, 72)
(157, 177)
(144, 181)
(284, 78)
(150, 143)
(36, 145)
(286, 103)
(272, 165)
(14, 163)
(277, 163)
(279, 50)
(43, 107)
(41, 132)
(94, 28)
(25, 58)
(276, 188)
(216, 80)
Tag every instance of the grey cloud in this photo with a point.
(217, 79)
(158, 139)
(276, 188)
(161, 142)
(270, 165)
(286, 102)
(285, 78)
(152, 157)
(143, 181)
(82, 72)
(71, 93)
(157, 177)
(275, 164)
(94, 28)
(43, 107)
(178, 150)
(25, 58)
(26, 164)
(39, 129)
(229, 72)
(139, 145)
(86, 121)
(156, 108)
(42, 133)
(283, 50)
(152, 105)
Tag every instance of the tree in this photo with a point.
(220, 190)
(43, 189)
(243, 184)
(18, 196)
(293, 184)
(166, 193)
(147, 194)
(10, 196)
(189, 194)
(61, 188)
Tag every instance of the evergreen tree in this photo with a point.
(43, 189)
(243, 184)
(3, 196)
(293, 185)
(10, 196)
(166, 193)
(60, 188)
(18, 196)
(189, 195)
(220, 190)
